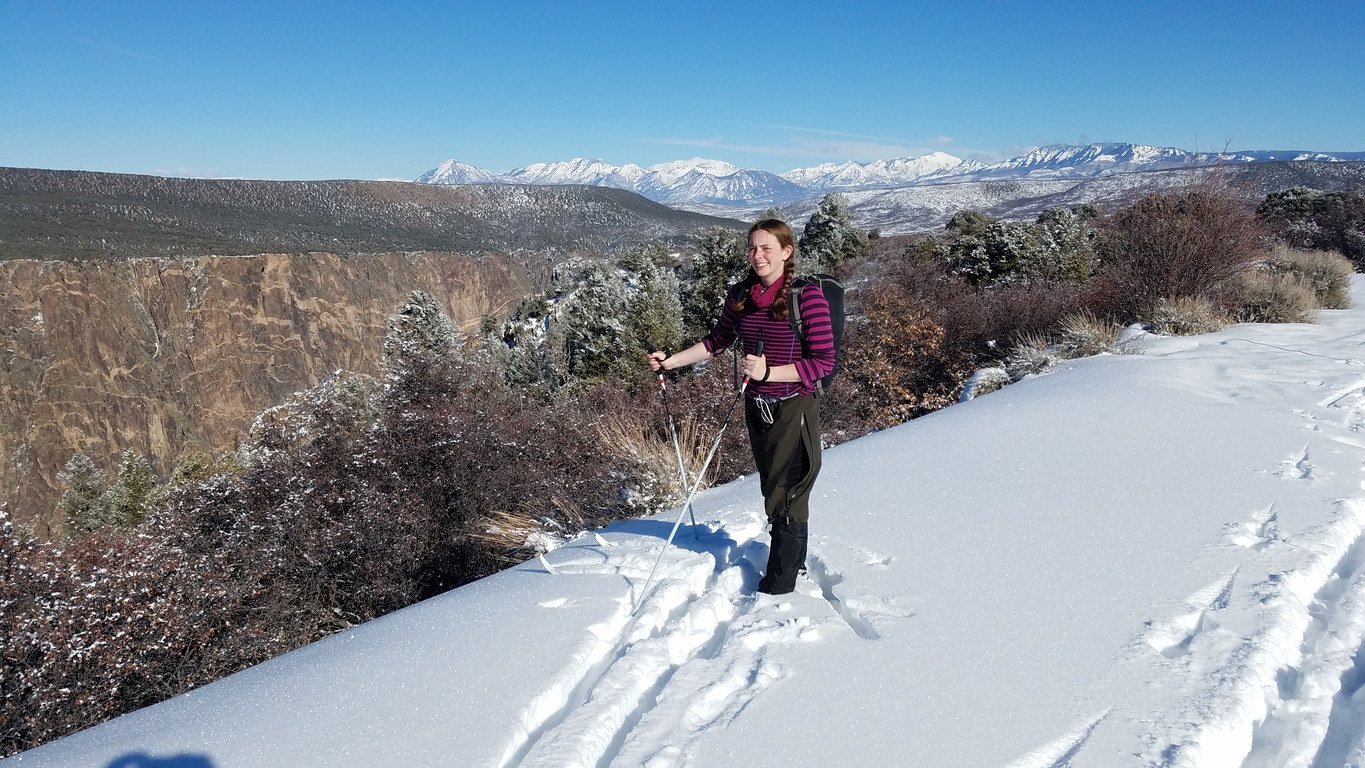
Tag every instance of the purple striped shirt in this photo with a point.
(780, 343)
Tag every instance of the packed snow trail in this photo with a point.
(1153, 560)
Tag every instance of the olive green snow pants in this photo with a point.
(786, 453)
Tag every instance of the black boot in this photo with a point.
(786, 558)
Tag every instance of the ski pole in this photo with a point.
(696, 485)
(677, 449)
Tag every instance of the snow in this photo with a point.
(1136, 560)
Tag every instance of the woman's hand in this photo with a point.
(756, 367)
(656, 360)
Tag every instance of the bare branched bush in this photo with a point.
(1170, 245)
(1265, 296)
(1185, 316)
(895, 354)
(1328, 273)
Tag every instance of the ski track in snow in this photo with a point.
(643, 687)
(1285, 689)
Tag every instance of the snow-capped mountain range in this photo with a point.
(715, 183)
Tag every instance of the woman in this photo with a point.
(781, 410)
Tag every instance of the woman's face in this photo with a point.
(767, 256)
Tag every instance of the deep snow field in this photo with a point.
(1136, 560)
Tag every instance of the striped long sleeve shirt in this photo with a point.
(780, 343)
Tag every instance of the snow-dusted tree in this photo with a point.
(718, 261)
(84, 505)
(653, 309)
(421, 348)
(129, 496)
(969, 222)
(594, 322)
(1069, 241)
(830, 239)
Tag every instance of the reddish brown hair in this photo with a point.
(780, 230)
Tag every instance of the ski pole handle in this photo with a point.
(757, 353)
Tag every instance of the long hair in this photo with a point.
(783, 233)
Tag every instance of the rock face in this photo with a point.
(169, 356)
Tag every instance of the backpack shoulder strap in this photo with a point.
(794, 291)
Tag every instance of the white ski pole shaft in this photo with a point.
(677, 450)
(639, 601)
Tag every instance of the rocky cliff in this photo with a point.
(166, 356)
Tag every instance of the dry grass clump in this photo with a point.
(1031, 355)
(984, 382)
(1264, 296)
(1186, 316)
(1327, 273)
(1084, 334)
(652, 481)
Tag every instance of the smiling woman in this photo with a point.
(781, 408)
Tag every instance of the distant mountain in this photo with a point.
(455, 172)
(1094, 160)
(712, 185)
(881, 173)
(77, 214)
(927, 207)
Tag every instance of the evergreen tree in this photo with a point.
(1069, 242)
(718, 261)
(654, 308)
(421, 349)
(127, 499)
(830, 239)
(617, 316)
(970, 222)
(84, 504)
(594, 322)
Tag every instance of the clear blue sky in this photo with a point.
(312, 90)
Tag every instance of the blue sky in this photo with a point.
(313, 90)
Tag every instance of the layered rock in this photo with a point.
(170, 356)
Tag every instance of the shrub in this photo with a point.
(1084, 334)
(1328, 273)
(1265, 296)
(984, 382)
(1185, 316)
(1172, 245)
(1307, 218)
(1031, 355)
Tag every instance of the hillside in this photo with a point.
(1145, 561)
(907, 210)
(82, 215)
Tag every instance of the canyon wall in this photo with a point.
(168, 356)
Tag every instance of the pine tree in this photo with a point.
(1069, 242)
(421, 349)
(594, 322)
(654, 313)
(718, 261)
(830, 239)
(127, 499)
(84, 504)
